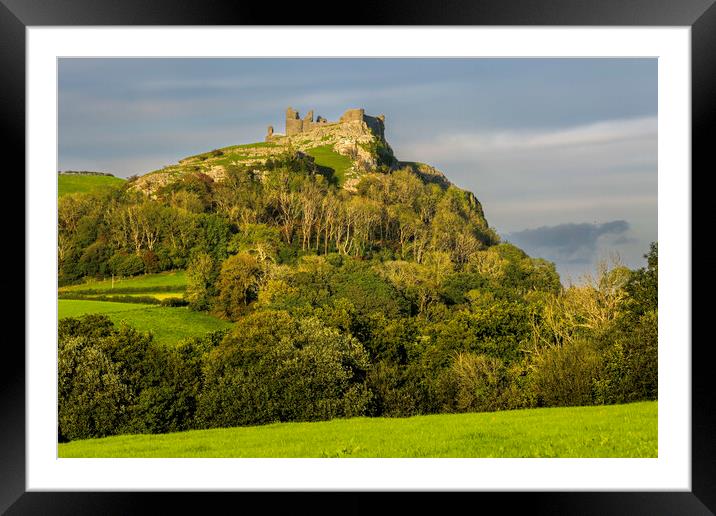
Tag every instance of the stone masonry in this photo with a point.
(297, 125)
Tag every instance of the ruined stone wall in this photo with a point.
(353, 115)
(296, 125)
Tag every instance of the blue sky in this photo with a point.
(562, 153)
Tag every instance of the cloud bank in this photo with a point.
(570, 243)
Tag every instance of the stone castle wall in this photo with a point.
(296, 125)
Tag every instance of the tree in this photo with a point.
(642, 286)
(92, 398)
(200, 277)
(238, 284)
(274, 367)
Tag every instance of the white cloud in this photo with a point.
(548, 140)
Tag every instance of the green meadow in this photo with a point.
(74, 183)
(170, 281)
(325, 156)
(628, 430)
(168, 324)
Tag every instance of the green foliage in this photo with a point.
(237, 284)
(200, 276)
(117, 380)
(642, 287)
(566, 375)
(273, 367)
(631, 364)
(383, 153)
(123, 264)
(481, 382)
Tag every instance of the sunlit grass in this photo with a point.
(138, 284)
(73, 183)
(325, 156)
(604, 431)
(169, 325)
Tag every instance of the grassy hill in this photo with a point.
(74, 183)
(603, 431)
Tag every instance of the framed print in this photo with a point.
(364, 249)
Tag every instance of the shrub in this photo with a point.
(393, 391)
(482, 382)
(174, 301)
(566, 375)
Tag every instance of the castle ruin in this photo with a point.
(297, 125)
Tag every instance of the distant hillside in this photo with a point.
(73, 182)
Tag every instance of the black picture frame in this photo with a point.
(700, 15)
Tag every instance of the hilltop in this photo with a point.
(349, 148)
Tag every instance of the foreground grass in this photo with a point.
(73, 183)
(174, 280)
(325, 156)
(169, 325)
(604, 431)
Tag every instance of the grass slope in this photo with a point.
(169, 325)
(325, 156)
(604, 431)
(77, 307)
(73, 183)
(145, 283)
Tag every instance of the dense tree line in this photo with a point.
(125, 232)
(395, 300)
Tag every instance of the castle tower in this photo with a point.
(308, 121)
(353, 115)
(294, 124)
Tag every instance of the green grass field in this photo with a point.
(169, 325)
(604, 431)
(139, 284)
(72, 183)
(325, 156)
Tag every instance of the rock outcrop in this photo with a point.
(357, 136)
